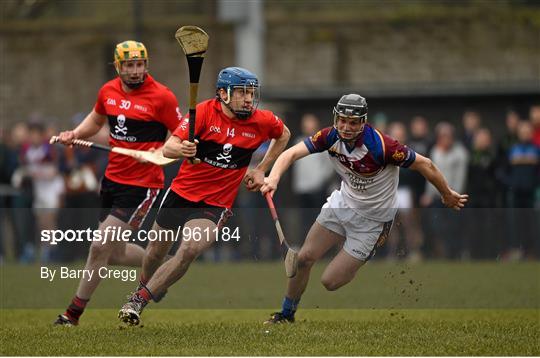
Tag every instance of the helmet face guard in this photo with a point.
(130, 51)
(243, 113)
(239, 80)
(351, 106)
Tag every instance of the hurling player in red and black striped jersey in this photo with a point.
(140, 111)
(229, 128)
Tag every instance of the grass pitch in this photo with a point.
(240, 332)
(427, 309)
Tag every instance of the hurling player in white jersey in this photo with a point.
(361, 212)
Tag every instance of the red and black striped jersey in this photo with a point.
(225, 149)
(138, 120)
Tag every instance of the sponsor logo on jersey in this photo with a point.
(215, 129)
(111, 102)
(124, 138)
(226, 154)
(141, 108)
(220, 165)
(121, 130)
(358, 183)
(223, 159)
(249, 135)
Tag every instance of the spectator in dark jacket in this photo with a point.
(421, 142)
(523, 179)
(471, 123)
(482, 237)
(508, 139)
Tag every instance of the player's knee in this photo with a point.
(154, 256)
(330, 284)
(115, 258)
(188, 254)
(327, 283)
(332, 281)
(99, 251)
(306, 259)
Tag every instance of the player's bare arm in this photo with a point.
(177, 148)
(450, 198)
(283, 163)
(88, 127)
(254, 178)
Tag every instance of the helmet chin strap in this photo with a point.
(136, 84)
(239, 114)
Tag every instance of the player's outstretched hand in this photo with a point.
(270, 185)
(66, 137)
(188, 149)
(455, 200)
(254, 179)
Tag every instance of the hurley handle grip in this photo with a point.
(82, 143)
(271, 205)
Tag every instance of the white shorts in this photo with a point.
(47, 193)
(362, 235)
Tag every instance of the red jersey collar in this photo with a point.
(217, 105)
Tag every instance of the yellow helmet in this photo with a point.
(129, 50)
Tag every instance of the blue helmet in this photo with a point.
(236, 76)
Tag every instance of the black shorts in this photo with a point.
(175, 211)
(128, 203)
